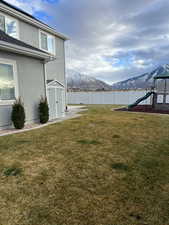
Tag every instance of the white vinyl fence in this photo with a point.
(111, 97)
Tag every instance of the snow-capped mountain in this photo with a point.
(81, 82)
(143, 81)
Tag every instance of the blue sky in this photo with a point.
(110, 39)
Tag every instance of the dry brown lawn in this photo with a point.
(104, 168)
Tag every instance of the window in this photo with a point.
(7, 81)
(44, 41)
(2, 22)
(9, 25)
(47, 42)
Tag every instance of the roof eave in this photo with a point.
(25, 51)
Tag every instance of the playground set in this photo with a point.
(159, 97)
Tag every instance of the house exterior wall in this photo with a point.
(5, 118)
(31, 86)
(31, 79)
(55, 69)
(29, 34)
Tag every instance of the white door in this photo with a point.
(52, 103)
(59, 101)
(56, 102)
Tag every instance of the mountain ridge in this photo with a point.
(82, 82)
(142, 81)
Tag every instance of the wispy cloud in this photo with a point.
(111, 40)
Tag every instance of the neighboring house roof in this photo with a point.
(32, 18)
(10, 42)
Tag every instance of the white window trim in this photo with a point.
(13, 63)
(17, 24)
(41, 31)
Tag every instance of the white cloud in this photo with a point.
(133, 34)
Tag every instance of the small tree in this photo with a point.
(18, 114)
(43, 110)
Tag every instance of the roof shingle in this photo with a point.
(6, 38)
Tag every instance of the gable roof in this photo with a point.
(54, 83)
(32, 19)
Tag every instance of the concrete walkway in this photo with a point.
(73, 112)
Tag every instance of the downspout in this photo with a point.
(45, 77)
(45, 74)
(65, 79)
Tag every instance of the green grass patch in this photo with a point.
(104, 168)
(12, 171)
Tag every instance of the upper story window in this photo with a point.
(9, 25)
(47, 42)
(7, 81)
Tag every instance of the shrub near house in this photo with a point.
(18, 114)
(43, 110)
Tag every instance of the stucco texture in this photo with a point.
(31, 86)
